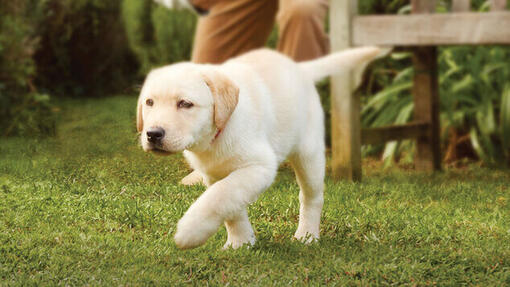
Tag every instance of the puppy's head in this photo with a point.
(183, 106)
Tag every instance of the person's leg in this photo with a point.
(233, 27)
(301, 28)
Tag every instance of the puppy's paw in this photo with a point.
(193, 231)
(193, 178)
(239, 242)
(306, 237)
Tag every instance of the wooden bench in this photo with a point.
(422, 31)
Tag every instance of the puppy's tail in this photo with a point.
(337, 63)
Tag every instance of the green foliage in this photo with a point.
(158, 36)
(490, 138)
(381, 6)
(89, 207)
(475, 91)
(505, 121)
(23, 110)
(83, 49)
(472, 82)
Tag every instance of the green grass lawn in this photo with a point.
(89, 207)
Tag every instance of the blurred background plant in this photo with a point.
(96, 48)
(156, 35)
(83, 48)
(474, 101)
(23, 109)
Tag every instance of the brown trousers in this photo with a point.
(233, 27)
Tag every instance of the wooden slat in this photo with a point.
(396, 132)
(461, 5)
(438, 29)
(498, 5)
(345, 109)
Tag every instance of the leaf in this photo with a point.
(485, 7)
(400, 55)
(389, 153)
(448, 59)
(382, 97)
(41, 98)
(466, 100)
(404, 75)
(391, 112)
(404, 10)
(485, 119)
(391, 148)
(405, 114)
(475, 142)
(484, 147)
(485, 75)
(466, 82)
(446, 76)
(505, 119)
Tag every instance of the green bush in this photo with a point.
(381, 6)
(158, 36)
(475, 104)
(474, 101)
(84, 50)
(23, 110)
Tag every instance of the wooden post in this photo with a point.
(498, 5)
(345, 109)
(461, 5)
(426, 98)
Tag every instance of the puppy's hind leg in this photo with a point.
(309, 167)
(239, 231)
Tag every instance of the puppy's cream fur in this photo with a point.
(248, 116)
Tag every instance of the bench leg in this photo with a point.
(345, 109)
(345, 131)
(426, 107)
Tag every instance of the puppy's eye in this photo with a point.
(184, 104)
(149, 102)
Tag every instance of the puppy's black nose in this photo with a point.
(155, 135)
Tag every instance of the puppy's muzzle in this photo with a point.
(155, 135)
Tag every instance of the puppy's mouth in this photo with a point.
(159, 151)
(161, 148)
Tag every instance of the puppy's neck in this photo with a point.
(218, 132)
(208, 144)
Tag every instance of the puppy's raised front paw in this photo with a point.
(193, 231)
(193, 178)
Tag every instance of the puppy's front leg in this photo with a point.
(239, 231)
(222, 201)
(193, 178)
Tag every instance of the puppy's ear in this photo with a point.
(139, 116)
(225, 94)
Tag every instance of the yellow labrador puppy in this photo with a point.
(236, 123)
